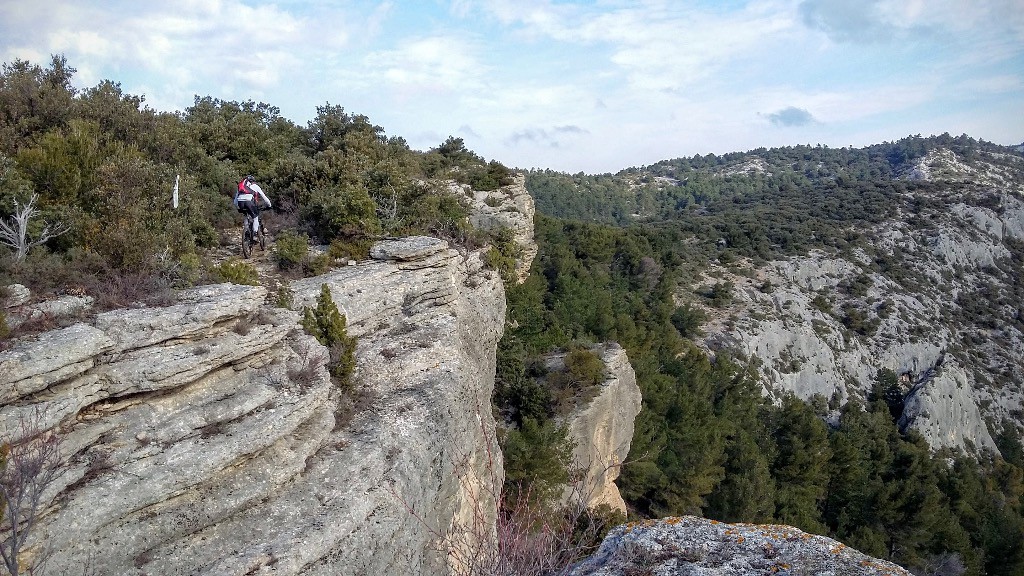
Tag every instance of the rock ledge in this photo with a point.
(690, 545)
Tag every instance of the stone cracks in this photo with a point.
(202, 438)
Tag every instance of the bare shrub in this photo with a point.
(31, 462)
(307, 371)
(356, 399)
(946, 564)
(14, 233)
(36, 322)
(124, 289)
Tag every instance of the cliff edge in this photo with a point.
(206, 437)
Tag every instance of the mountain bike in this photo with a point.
(248, 238)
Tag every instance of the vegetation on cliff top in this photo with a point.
(103, 164)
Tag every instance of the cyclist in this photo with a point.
(247, 198)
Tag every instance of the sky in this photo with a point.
(575, 86)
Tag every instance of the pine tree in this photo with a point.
(801, 465)
(327, 325)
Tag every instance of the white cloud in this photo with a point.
(536, 16)
(965, 21)
(434, 64)
(654, 45)
(999, 84)
(569, 84)
(191, 47)
(838, 107)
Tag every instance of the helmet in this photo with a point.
(250, 178)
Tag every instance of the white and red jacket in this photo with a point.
(248, 192)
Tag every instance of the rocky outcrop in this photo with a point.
(509, 207)
(603, 430)
(930, 302)
(942, 408)
(17, 308)
(206, 437)
(690, 545)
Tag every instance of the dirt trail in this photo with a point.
(262, 260)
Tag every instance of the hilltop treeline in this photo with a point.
(103, 164)
(801, 195)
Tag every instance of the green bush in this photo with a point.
(327, 325)
(577, 383)
(284, 297)
(490, 177)
(537, 459)
(317, 265)
(503, 254)
(236, 272)
(189, 269)
(688, 319)
(290, 250)
(856, 319)
(437, 212)
(331, 213)
(720, 294)
(350, 248)
(584, 367)
(822, 303)
(204, 233)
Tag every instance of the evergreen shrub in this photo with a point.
(290, 250)
(325, 323)
(236, 272)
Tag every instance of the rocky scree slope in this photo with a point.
(206, 437)
(938, 302)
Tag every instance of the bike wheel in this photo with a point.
(246, 244)
(263, 238)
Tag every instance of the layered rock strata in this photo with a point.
(207, 437)
(509, 207)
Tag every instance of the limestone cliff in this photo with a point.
(602, 429)
(509, 207)
(207, 438)
(930, 303)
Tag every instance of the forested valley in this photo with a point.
(613, 249)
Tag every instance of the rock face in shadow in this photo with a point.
(207, 437)
(697, 546)
(603, 430)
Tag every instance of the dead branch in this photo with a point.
(14, 232)
(30, 462)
